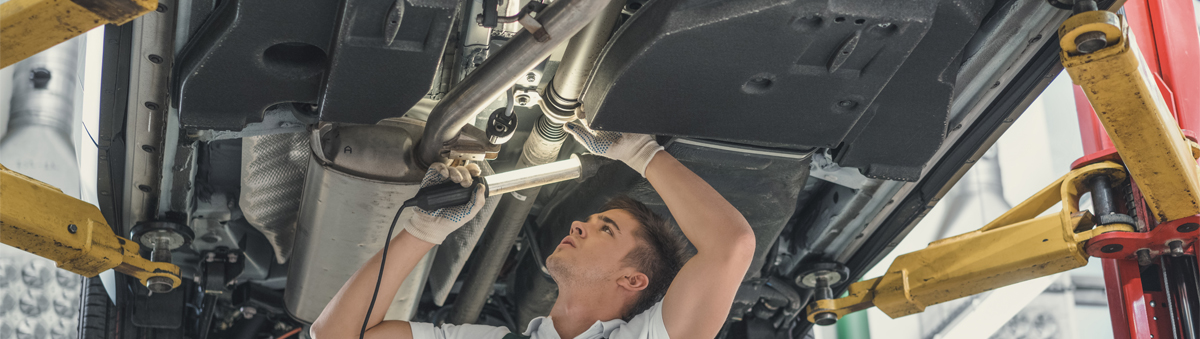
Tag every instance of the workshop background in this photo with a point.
(38, 300)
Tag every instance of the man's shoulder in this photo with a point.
(648, 324)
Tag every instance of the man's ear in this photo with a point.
(634, 282)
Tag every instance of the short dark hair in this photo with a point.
(659, 255)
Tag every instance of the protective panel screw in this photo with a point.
(72, 228)
(1176, 248)
(1188, 227)
(1113, 248)
(152, 106)
(155, 58)
(161, 8)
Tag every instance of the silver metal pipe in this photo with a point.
(562, 94)
(43, 123)
(561, 20)
(535, 176)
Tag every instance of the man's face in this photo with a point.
(595, 248)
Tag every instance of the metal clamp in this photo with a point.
(1174, 238)
(471, 144)
(523, 17)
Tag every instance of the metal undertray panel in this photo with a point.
(250, 55)
(790, 73)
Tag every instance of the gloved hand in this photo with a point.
(433, 226)
(633, 149)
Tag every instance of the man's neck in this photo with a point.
(576, 310)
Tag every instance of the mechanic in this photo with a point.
(612, 270)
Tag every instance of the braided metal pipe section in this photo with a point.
(273, 171)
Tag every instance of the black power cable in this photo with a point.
(428, 198)
(362, 333)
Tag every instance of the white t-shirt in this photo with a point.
(647, 325)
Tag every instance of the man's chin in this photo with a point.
(555, 264)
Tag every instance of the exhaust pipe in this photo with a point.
(561, 20)
(541, 148)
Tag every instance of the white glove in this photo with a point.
(633, 149)
(434, 226)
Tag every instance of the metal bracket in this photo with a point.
(471, 144)
(823, 167)
(523, 17)
(1173, 238)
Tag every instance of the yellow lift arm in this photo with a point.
(1102, 57)
(31, 26)
(41, 219)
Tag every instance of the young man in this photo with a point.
(611, 270)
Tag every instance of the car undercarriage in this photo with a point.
(264, 146)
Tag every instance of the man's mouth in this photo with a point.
(568, 241)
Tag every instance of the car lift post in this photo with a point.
(1140, 118)
(1166, 30)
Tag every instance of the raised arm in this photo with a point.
(343, 317)
(698, 301)
(699, 298)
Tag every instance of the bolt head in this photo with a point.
(1175, 248)
(72, 228)
(1112, 248)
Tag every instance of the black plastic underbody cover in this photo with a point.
(872, 78)
(250, 55)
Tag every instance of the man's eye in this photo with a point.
(606, 230)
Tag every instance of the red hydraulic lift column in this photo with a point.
(1167, 37)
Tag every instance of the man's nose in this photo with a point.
(577, 227)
